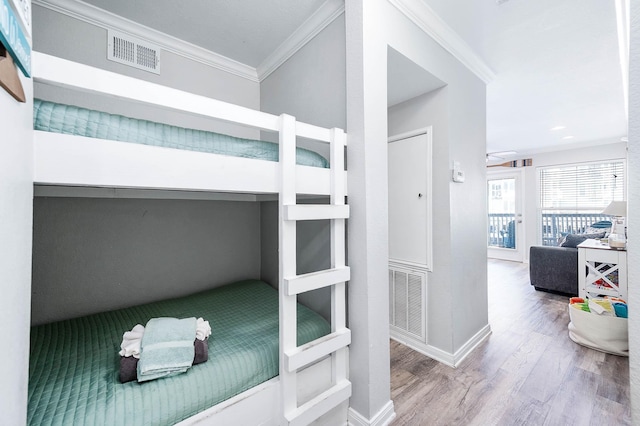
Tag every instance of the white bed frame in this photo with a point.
(313, 384)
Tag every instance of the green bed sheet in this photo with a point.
(73, 120)
(73, 373)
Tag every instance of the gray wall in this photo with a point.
(62, 36)
(310, 86)
(431, 110)
(92, 255)
(131, 251)
(16, 192)
(461, 266)
(313, 253)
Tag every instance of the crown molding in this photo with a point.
(418, 12)
(429, 22)
(93, 15)
(325, 15)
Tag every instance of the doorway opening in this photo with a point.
(504, 215)
(414, 99)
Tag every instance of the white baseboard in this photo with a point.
(382, 418)
(471, 344)
(447, 358)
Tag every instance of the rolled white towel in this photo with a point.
(203, 329)
(131, 342)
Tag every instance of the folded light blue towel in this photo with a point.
(167, 347)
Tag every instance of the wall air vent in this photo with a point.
(137, 53)
(407, 302)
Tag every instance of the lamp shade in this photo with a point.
(616, 208)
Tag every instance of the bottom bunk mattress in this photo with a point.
(73, 120)
(74, 364)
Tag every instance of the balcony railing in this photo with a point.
(557, 225)
(502, 230)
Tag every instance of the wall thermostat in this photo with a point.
(457, 175)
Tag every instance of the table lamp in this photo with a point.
(618, 212)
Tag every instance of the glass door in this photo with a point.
(504, 221)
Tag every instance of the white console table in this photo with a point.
(602, 270)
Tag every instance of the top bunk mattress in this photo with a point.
(73, 120)
(73, 370)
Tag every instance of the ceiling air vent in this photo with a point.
(128, 50)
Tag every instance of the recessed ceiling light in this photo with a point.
(557, 128)
(568, 137)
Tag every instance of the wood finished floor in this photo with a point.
(528, 372)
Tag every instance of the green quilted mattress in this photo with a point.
(72, 120)
(73, 371)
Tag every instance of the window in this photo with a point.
(496, 191)
(572, 197)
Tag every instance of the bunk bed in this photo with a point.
(81, 161)
(312, 378)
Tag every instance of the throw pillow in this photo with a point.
(590, 230)
(572, 240)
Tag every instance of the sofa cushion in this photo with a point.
(572, 240)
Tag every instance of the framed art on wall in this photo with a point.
(15, 32)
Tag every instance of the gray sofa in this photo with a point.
(554, 269)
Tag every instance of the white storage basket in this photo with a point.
(603, 333)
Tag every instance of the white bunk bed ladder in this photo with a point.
(293, 357)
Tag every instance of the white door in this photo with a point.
(504, 221)
(409, 199)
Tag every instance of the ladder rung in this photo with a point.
(314, 350)
(320, 405)
(315, 211)
(316, 280)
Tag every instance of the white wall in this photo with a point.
(368, 227)
(125, 252)
(633, 248)
(465, 18)
(606, 151)
(16, 192)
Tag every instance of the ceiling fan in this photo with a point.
(501, 155)
(497, 156)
